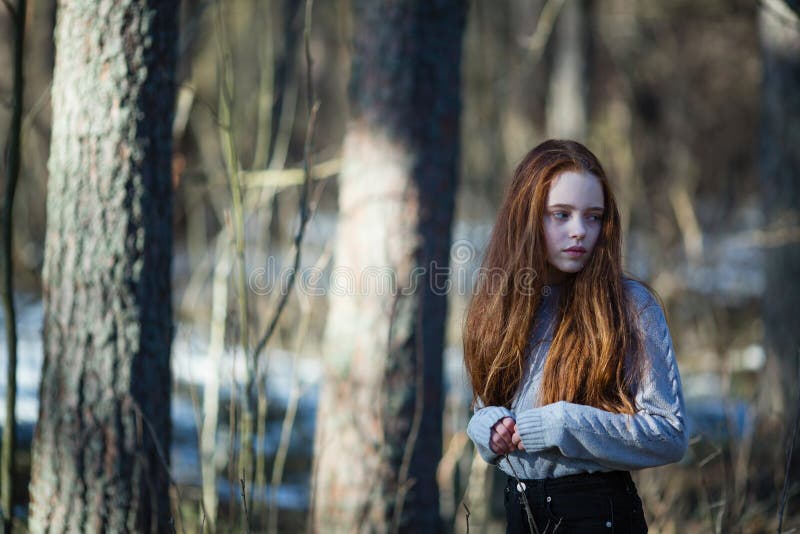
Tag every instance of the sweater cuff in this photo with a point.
(535, 427)
(480, 428)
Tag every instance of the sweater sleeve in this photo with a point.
(480, 426)
(656, 434)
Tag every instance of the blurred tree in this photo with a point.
(379, 433)
(99, 460)
(780, 185)
(568, 97)
(13, 156)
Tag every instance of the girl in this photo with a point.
(571, 363)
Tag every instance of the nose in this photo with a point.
(577, 228)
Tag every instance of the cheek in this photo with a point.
(595, 234)
(550, 234)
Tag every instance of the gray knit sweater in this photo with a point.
(563, 438)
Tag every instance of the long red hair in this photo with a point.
(586, 363)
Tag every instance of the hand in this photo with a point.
(505, 437)
(516, 439)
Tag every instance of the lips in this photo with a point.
(577, 250)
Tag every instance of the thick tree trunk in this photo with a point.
(379, 422)
(779, 162)
(102, 439)
(780, 185)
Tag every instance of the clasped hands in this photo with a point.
(505, 437)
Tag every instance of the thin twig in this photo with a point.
(706, 490)
(231, 157)
(157, 445)
(785, 494)
(246, 518)
(312, 485)
(266, 86)
(310, 97)
(467, 516)
(291, 409)
(523, 498)
(419, 400)
(37, 107)
(207, 435)
(305, 214)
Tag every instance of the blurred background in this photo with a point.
(668, 94)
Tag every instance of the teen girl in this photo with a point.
(571, 363)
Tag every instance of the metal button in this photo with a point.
(548, 498)
(520, 487)
(608, 524)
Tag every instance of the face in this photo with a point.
(572, 222)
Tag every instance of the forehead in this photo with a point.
(579, 189)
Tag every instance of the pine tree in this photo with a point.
(100, 452)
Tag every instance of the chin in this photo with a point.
(570, 269)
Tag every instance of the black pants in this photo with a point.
(585, 503)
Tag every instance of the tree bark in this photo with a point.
(780, 186)
(100, 452)
(379, 428)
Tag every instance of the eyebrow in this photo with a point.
(569, 206)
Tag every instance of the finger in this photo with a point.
(503, 432)
(509, 424)
(503, 443)
(517, 440)
(499, 445)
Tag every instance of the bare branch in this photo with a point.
(10, 8)
(130, 402)
(544, 27)
(305, 212)
(244, 501)
(789, 454)
(283, 178)
(524, 498)
(403, 482)
(782, 12)
(295, 393)
(37, 107)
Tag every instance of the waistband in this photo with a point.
(594, 482)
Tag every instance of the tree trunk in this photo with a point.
(100, 452)
(13, 157)
(780, 186)
(567, 100)
(379, 429)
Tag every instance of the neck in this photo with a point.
(554, 277)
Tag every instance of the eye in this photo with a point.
(595, 217)
(561, 215)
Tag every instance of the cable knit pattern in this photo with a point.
(564, 438)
